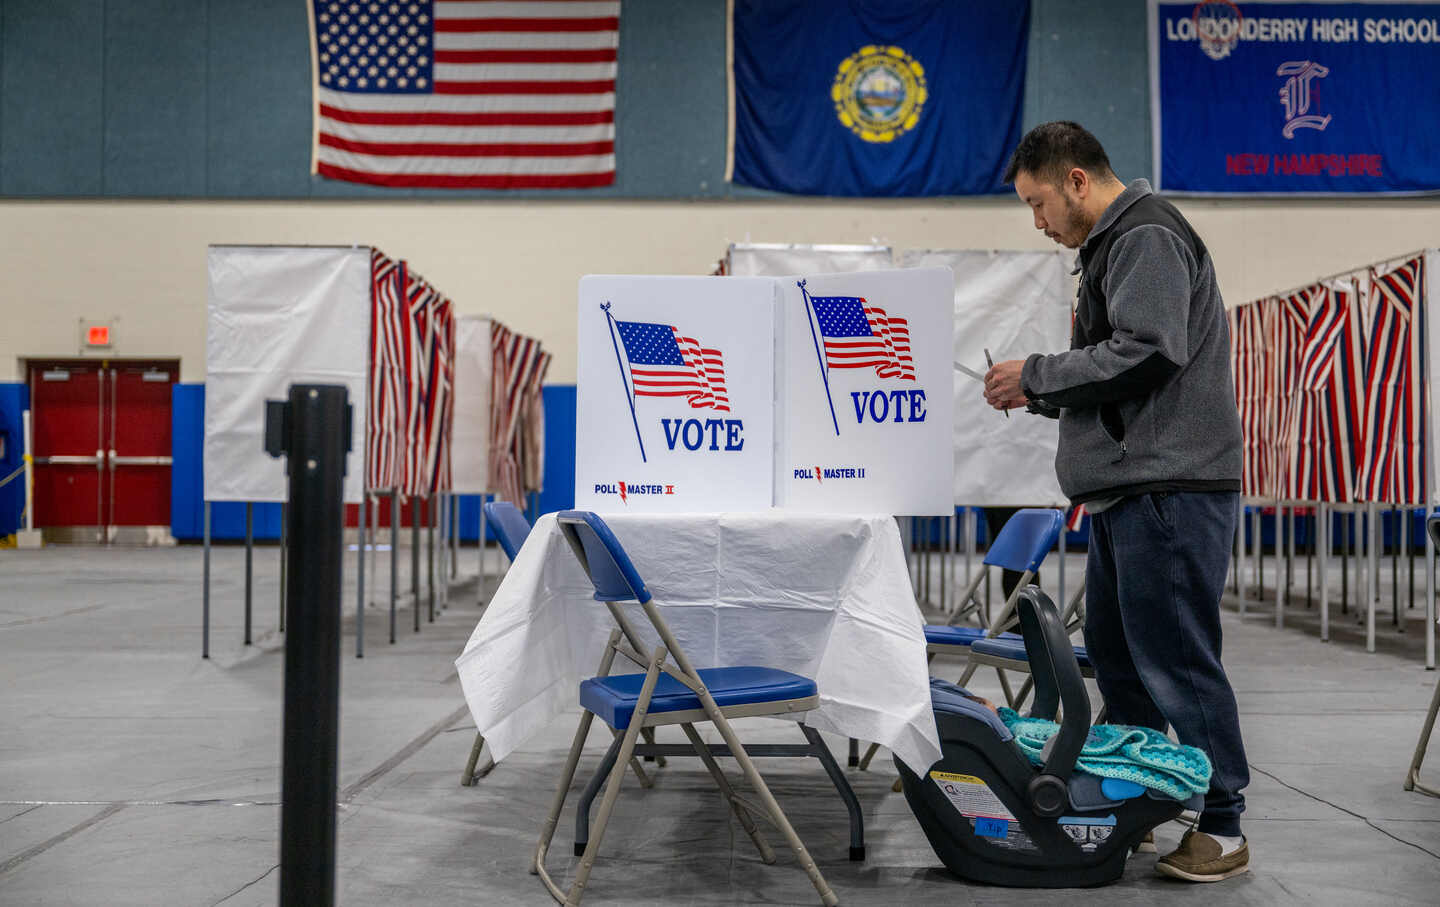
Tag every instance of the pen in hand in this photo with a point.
(990, 363)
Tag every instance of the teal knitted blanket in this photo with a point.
(1144, 756)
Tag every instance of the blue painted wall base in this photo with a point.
(227, 519)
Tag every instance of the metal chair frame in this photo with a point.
(1412, 774)
(498, 517)
(668, 657)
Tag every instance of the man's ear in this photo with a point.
(1078, 181)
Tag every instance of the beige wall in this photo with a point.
(145, 261)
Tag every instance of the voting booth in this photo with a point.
(1011, 304)
(827, 393)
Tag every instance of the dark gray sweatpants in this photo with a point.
(1153, 583)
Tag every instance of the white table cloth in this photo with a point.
(824, 596)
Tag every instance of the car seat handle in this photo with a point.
(1057, 683)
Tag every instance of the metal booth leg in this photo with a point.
(205, 595)
(249, 563)
(394, 558)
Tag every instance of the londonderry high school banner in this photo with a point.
(1295, 98)
(877, 97)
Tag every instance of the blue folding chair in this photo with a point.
(510, 526)
(511, 530)
(672, 691)
(1021, 545)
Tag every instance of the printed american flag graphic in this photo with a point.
(465, 94)
(860, 335)
(664, 363)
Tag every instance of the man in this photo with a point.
(1150, 443)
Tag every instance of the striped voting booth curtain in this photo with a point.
(1247, 340)
(1323, 465)
(1392, 464)
(1331, 387)
(441, 394)
(429, 378)
(519, 369)
(386, 419)
(1292, 318)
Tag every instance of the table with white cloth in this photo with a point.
(825, 596)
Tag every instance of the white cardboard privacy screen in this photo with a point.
(781, 259)
(697, 431)
(1014, 304)
(279, 316)
(865, 424)
(470, 434)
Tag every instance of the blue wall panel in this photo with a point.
(228, 518)
(52, 109)
(14, 399)
(559, 493)
(155, 62)
(211, 98)
(187, 480)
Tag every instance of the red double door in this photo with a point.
(102, 445)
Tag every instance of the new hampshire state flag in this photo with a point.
(877, 97)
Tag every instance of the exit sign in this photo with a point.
(97, 336)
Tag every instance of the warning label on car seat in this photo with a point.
(986, 812)
(971, 796)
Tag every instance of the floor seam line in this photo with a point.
(23, 812)
(246, 885)
(1342, 809)
(61, 838)
(414, 746)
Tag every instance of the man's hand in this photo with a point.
(1002, 385)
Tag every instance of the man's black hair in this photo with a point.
(1050, 150)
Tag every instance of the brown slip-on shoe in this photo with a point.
(1198, 859)
(1147, 843)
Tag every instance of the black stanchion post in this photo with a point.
(312, 430)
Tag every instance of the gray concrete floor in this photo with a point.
(133, 772)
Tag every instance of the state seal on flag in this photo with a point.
(879, 92)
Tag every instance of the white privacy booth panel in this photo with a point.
(865, 393)
(675, 403)
(470, 434)
(781, 259)
(277, 316)
(1013, 304)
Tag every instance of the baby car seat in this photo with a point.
(993, 817)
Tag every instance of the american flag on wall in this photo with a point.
(666, 363)
(1392, 464)
(465, 94)
(857, 334)
(389, 338)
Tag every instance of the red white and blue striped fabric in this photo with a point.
(387, 392)
(1247, 338)
(1392, 465)
(429, 377)
(441, 396)
(465, 94)
(519, 367)
(1291, 323)
(1331, 366)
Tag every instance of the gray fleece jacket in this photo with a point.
(1145, 396)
